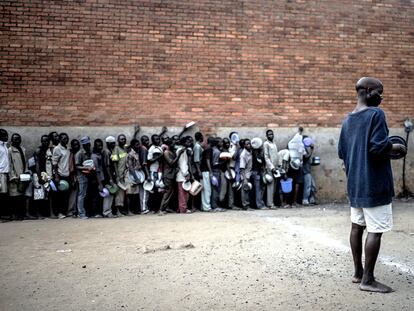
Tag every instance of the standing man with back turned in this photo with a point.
(364, 147)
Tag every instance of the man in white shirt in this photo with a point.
(155, 154)
(60, 161)
(183, 174)
(246, 172)
(4, 171)
(272, 160)
(17, 166)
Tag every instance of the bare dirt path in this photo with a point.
(261, 260)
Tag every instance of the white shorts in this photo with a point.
(377, 219)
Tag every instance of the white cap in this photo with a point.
(110, 139)
(256, 143)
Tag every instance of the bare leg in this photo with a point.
(295, 194)
(27, 209)
(356, 246)
(372, 247)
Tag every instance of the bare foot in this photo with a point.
(376, 287)
(356, 279)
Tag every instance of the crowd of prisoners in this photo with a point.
(113, 177)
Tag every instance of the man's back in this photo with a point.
(364, 146)
(206, 156)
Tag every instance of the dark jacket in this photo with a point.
(364, 146)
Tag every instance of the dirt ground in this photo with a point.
(285, 259)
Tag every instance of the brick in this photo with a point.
(223, 63)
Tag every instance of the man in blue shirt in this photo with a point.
(364, 147)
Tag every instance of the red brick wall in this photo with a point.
(223, 63)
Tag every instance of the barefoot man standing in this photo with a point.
(364, 147)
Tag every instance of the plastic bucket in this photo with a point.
(286, 185)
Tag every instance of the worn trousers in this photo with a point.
(215, 190)
(258, 188)
(96, 198)
(18, 205)
(73, 197)
(270, 192)
(61, 199)
(226, 190)
(245, 194)
(107, 205)
(120, 198)
(168, 194)
(143, 198)
(309, 188)
(182, 198)
(83, 189)
(245, 197)
(206, 192)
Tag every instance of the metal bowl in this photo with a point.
(397, 140)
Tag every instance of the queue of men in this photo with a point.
(179, 174)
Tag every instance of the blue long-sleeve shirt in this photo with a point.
(364, 146)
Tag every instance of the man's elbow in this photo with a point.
(380, 150)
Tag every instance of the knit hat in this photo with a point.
(85, 140)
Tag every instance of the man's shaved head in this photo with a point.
(368, 83)
(369, 91)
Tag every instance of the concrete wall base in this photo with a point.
(329, 176)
